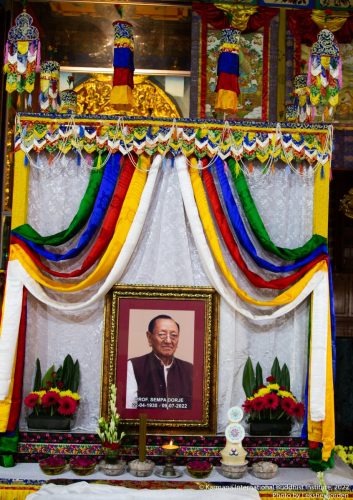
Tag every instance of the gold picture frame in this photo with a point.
(195, 311)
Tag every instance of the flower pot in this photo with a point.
(111, 452)
(48, 422)
(271, 428)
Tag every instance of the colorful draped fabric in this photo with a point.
(77, 223)
(123, 80)
(259, 228)
(22, 55)
(49, 97)
(114, 208)
(242, 235)
(103, 199)
(227, 88)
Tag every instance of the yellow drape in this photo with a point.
(20, 191)
(321, 199)
(324, 431)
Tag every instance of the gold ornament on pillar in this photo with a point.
(238, 15)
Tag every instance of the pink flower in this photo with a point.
(271, 379)
(67, 406)
(50, 398)
(199, 465)
(271, 401)
(298, 410)
(287, 404)
(31, 400)
(82, 461)
(53, 461)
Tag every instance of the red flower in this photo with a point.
(31, 400)
(271, 401)
(50, 398)
(271, 379)
(258, 404)
(287, 404)
(67, 406)
(247, 406)
(298, 410)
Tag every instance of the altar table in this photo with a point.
(17, 483)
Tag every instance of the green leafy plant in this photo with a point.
(55, 392)
(271, 401)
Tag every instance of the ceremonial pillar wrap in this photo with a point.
(22, 55)
(301, 98)
(324, 74)
(227, 88)
(123, 81)
(49, 97)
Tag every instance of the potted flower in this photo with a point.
(54, 399)
(271, 407)
(108, 430)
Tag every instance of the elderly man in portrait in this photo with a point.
(159, 379)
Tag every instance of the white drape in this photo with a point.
(166, 254)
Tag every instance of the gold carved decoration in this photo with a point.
(346, 204)
(93, 98)
(333, 21)
(238, 14)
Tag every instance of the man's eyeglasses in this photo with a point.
(163, 335)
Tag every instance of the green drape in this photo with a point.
(79, 220)
(258, 227)
(8, 447)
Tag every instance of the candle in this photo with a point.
(170, 446)
(142, 437)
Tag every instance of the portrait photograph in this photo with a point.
(160, 349)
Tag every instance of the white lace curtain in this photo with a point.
(166, 255)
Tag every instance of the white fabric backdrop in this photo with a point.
(166, 254)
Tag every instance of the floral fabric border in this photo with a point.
(285, 451)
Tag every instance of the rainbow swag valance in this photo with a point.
(221, 213)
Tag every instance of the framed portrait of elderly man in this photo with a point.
(160, 350)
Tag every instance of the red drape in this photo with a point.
(20, 361)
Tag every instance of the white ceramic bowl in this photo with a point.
(234, 471)
(264, 470)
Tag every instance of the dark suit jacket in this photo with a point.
(149, 374)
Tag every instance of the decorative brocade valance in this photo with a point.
(240, 140)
